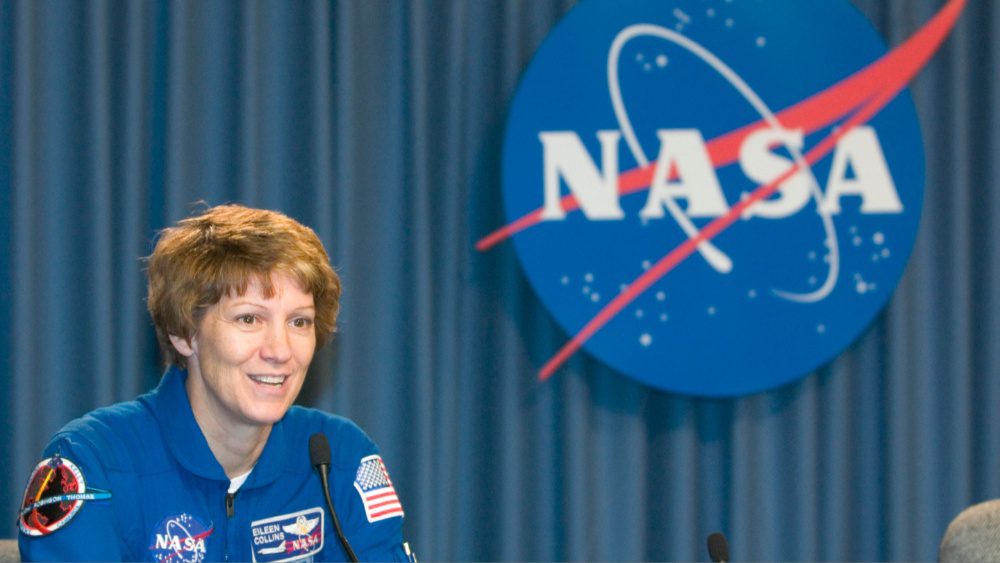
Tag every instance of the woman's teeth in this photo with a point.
(275, 380)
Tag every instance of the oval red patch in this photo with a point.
(52, 497)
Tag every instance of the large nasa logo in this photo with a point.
(715, 197)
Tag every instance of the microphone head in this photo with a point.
(972, 536)
(319, 449)
(718, 547)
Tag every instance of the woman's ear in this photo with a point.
(182, 345)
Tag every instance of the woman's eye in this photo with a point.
(246, 319)
(302, 323)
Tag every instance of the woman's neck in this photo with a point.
(236, 445)
(237, 449)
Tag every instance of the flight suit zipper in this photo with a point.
(230, 512)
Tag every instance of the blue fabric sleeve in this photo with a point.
(381, 540)
(93, 533)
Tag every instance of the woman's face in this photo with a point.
(248, 359)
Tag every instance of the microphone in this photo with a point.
(718, 547)
(319, 456)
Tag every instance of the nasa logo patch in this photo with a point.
(715, 198)
(288, 537)
(55, 493)
(180, 538)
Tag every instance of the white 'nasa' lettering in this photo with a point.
(858, 169)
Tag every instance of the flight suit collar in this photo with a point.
(187, 444)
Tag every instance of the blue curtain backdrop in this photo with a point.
(379, 124)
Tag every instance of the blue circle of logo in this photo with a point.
(180, 538)
(713, 198)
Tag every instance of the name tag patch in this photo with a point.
(287, 537)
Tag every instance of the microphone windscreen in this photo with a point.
(319, 449)
(974, 535)
(718, 547)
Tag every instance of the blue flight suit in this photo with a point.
(169, 496)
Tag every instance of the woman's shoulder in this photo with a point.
(119, 435)
(348, 442)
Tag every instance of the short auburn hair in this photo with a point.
(221, 252)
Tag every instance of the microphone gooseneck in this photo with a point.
(718, 547)
(319, 456)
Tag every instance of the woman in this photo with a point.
(214, 464)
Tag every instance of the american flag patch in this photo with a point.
(376, 490)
